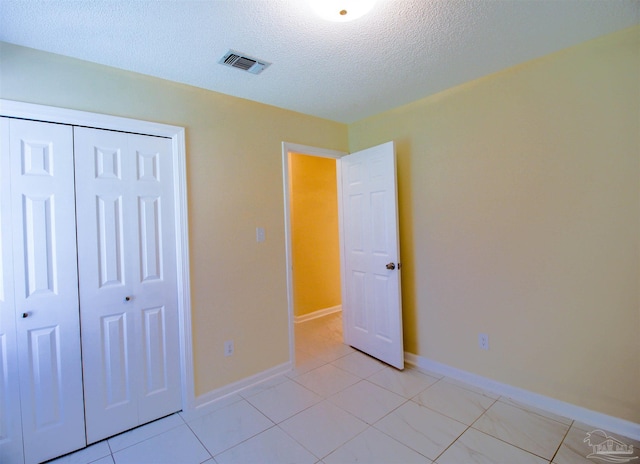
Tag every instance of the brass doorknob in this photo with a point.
(391, 266)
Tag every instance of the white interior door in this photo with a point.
(371, 301)
(46, 288)
(10, 423)
(128, 293)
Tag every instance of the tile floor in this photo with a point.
(341, 406)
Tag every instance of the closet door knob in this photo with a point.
(127, 298)
(25, 315)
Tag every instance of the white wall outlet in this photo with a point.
(260, 234)
(228, 348)
(483, 341)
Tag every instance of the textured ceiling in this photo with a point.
(402, 51)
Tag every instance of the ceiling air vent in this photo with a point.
(243, 62)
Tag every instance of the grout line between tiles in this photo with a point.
(451, 444)
(524, 408)
(463, 432)
(562, 441)
(199, 441)
(514, 445)
(350, 439)
(177, 413)
(511, 444)
(404, 444)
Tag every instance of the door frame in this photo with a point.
(21, 110)
(309, 151)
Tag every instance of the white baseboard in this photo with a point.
(317, 314)
(593, 418)
(225, 395)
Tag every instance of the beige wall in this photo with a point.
(520, 217)
(234, 175)
(315, 246)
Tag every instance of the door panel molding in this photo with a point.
(146, 218)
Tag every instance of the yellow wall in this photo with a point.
(519, 198)
(234, 175)
(315, 247)
(519, 201)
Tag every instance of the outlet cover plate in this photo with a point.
(228, 348)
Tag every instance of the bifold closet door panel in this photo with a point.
(10, 422)
(46, 288)
(127, 267)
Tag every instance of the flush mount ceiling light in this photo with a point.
(341, 10)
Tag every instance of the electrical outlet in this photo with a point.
(260, 234)
(483, 341)
(228, 348)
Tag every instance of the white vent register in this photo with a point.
(243, 62)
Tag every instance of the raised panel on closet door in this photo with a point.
(124, 185)
(10, 424)
(156, 283)
(46, 288)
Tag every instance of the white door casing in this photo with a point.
(11, 431)
(176, 134)
(46, 289)
(371, 300)
(127, 265)
(10, 423)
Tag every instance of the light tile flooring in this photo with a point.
(341, 406)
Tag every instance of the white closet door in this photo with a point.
(10, 424)
(46, 288)
(128, 295)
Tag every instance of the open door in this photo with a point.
(371, 300)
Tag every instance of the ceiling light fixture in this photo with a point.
(341, 10)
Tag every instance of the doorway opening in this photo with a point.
(369, 249)
(313, 255)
